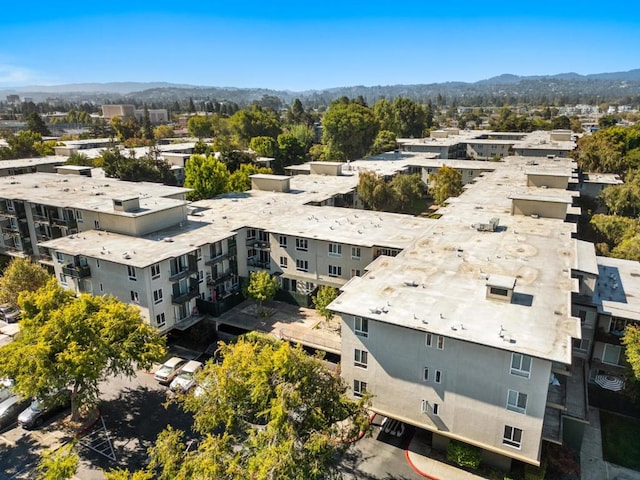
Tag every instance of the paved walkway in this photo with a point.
(592, 465)
(431, 468)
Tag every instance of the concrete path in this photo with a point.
(431, 468)
(592, 465)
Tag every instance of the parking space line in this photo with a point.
(11, 443)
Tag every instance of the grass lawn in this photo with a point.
(420, 206)
(620, 440)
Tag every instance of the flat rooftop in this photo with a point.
(31, 162)
(603, 178)
(438, 283)
(617, 290)
(76, 191)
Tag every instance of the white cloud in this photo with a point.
(14, 76)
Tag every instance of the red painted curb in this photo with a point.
(415, 469)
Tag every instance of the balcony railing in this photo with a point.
(183, 271)
(178, 298)
(77, 271)
(220, 278)
(257, 263)
(606, 337)
(217, 259)
(63, 222)
(40, 218)
(259, 244)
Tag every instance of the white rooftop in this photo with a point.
(617, 291)
(30, 162)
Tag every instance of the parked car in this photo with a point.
(169, 370)
(6, 388)
(37, 413)
(186, 378)
(10, 408)
(9, 313)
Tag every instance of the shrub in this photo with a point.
(535, 473)
(463, 455)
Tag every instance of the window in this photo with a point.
(425, 374)
(283, 241)
(79, 216)
(432, 339)
(302, 244)
(63, 279)
(251, 234)
(360, 358)
(284, 262)
(198, 254)
(611, 354)
(359, 388)
(520, 365)
(98, 262)
(469, 173)
(429, 407)
(132, 272)
(361, 326)
(503, 292)
(59, 257)
(335, 250)
(10, 206)
(96, 224)
(160, 320)
(355, 253)
(335, 271)
(355, 272)
(157, 296)
(438, 378)
(302, 265)
(516, 401)
(155, 270)
(201, 276)
(135, 298)
(101, 289)
(581, 344)
(512, 436)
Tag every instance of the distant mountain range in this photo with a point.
(568, 87)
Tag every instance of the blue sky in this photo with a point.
(311, 45)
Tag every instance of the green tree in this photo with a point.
(146, 129)
(407, 188)
(125, 128)
(409, 118)
(623, 199)
(349, 130)
(264, 146)
(148, 168)
(125, 474)
(277, 414)
(444, 183)
(385, 142)
(291, 151)
(261, 287)
(255, 122)
(24, 144)
(78, 158)
(239, 180)
(383, 110)
(76, 342)
(207, 176)
(367, 182)
(21, 275)
(631, 341)
(200, 127)
(323, 298)
(60, 464)
(607, 121)
(304, 135)
(37, 125)
(163, 131)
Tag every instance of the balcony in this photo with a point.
(186, 293)
(258, 244)
(257, 263)
(37, 218)
(63, 222)
(220, 278)
(180, 271)
(76, 271)
(612, 337)
(217, 259)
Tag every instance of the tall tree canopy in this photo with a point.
(200, 126)
(76, 342)
(208, 177)
(276, 413)
(22, 275)
(349, 130)
(255, 122)
(445, 183)
(240, 181)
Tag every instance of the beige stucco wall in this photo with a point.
(542, 209)
(472, 395)
(549, 181)
(128, 225)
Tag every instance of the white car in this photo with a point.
(186, 379)
(169, 370)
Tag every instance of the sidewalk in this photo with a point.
(431, 468)
(592, 465)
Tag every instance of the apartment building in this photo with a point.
(463, 331)
(21, 166)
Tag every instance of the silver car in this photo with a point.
(169, 370)
(186, 379)
(9, 313)
(10, 408)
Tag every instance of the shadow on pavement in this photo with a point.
(134, 419)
